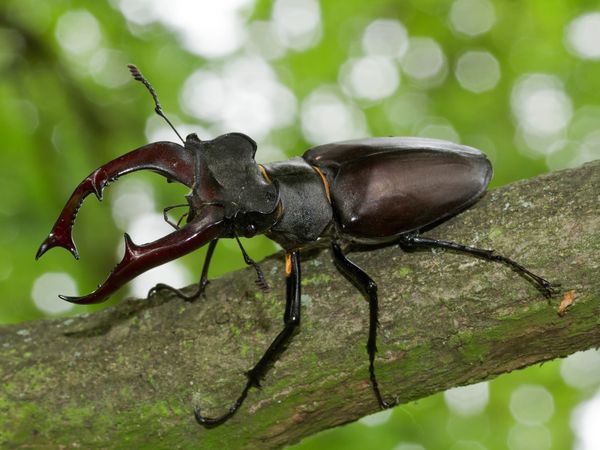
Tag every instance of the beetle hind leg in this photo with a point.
(368, 288)
(547, 288)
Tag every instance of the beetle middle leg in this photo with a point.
(369, 289)
(291, 320)
(548, 289)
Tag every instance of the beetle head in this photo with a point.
(227, 175)
(229, 197)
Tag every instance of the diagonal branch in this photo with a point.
(132, 374)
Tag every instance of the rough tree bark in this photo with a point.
(128, 377)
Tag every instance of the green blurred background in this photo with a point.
(519, 80)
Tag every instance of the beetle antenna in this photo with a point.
(137, 75)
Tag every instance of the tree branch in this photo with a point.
(133, 373)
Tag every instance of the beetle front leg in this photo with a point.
(201, 284)
(548, 289)
(368, 288)
(291, 319)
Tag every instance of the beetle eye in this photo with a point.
(250, 230)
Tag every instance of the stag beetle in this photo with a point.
(370, 191)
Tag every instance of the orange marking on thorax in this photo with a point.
(325, 182)
(264, 173)
(288, 264)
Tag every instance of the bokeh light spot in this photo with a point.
(540, 104)
(156, 129)
(379, 418)
(204, 95)
(211, 29)
(78, 32)
(265, 40)
(270, 153)
(523, 437)
(139, 12)
(326, 117)
(438, 128)
(583, 36)
(107, 67)
(244, 96)
(468, 400)
(148, 227)
(582, 369)
(407, 110)
(589, 149)
(478, 71)
(472, 17)
(424, 61)
(172, 274)
(143, 229)
(46, 288)
(370, 77)
(385, 37)
(531, 404)
(298, 23)
(543, 111)
(584, 422)
(132, 199)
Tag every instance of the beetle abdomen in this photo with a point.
(383, 187)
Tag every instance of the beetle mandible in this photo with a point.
(369, 191)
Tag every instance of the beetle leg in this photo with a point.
(166, 158)
(201, 284)
(260, 276)
(291, 320)
(368, 288)
(140, 258)
(548, 289)
(166, 215)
